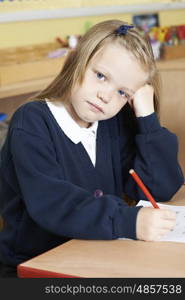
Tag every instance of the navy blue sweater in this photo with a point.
(48, 183)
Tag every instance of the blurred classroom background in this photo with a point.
(36, 35)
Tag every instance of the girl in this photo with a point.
(66, 159)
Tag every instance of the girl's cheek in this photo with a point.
(124, 102)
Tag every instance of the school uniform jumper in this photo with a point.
(52, 192)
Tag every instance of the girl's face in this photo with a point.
(111, 78)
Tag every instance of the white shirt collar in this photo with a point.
(69, 126)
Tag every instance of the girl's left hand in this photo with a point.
(142, 101)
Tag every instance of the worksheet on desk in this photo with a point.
(178, 233)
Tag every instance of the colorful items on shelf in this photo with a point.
(173, 35)
(71, 41)
(162, 37)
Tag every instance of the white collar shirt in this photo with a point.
(77, 134)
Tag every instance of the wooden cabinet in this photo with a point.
(20, 80)
(172, 113)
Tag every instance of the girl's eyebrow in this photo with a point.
(108, 73)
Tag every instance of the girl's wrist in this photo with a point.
(144, 112)
(148, 124)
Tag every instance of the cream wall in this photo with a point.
(42, 31)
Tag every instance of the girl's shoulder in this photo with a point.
(32, 116)
(31, 107)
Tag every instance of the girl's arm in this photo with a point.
(152, 151)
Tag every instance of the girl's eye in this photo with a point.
(123, 94)
(100, 75)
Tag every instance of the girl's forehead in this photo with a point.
(121, 65)
(112, 54)
(105, 52)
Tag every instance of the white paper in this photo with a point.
(178, 233)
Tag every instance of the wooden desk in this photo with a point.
(108, 259)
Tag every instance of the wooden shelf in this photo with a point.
(24, 87)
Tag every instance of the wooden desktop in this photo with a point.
(111, 259)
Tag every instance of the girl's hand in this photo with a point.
(142, 101)
(154, 223)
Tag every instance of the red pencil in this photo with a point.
(143, 188)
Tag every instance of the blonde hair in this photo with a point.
(95, 39)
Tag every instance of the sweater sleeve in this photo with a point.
(152, 152)
(59, 206)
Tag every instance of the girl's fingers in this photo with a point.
(168, 214)
(168, 225)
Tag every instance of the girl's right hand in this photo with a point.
(142, 101)
(154, 223)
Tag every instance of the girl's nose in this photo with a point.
(104, 96)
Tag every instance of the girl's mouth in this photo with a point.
(95, 107)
